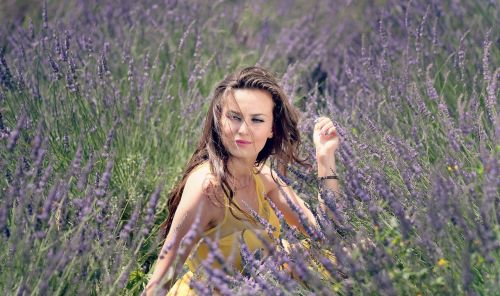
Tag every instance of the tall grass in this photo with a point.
(101, 104)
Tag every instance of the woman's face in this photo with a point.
(247, 123)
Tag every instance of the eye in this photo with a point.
(233, 117)
(257, 120)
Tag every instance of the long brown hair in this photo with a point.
(283, 146)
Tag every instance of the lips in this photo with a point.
(242, 142)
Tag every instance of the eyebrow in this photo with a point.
(256, 114)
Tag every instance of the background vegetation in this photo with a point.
(101, 103)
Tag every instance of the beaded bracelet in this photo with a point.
(328, 177)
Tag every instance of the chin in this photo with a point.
(244, 156)
(248, 154)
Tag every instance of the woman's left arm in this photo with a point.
(326, 142)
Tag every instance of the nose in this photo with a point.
(243, 128)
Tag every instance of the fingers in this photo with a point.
(320, 122)
(328, 130)
(332, 131)
(325, 126)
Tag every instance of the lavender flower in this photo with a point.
(47, 206)
(45, 17)
(313, 233)
(14, 136)
(150, 211)
(106, 177)
(431, 91)
(55, 68)
(193, 232)
(461, 58)
(31, 29)
(167, 247)
(65, 50)
(83, 177)
(200, 286)
(5, 74)
(217, 279)
(127, 229)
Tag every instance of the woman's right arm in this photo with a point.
(194, 205)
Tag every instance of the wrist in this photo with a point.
(326, 165)
(325, 156)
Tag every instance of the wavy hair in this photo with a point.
(283, 146)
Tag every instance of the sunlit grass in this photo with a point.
(104, 103)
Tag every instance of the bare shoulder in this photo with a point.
(199, 196)
(202, 183)
(270, 178)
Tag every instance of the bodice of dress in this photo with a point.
(227, 236)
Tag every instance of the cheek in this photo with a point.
(264, 135)
(226, 128)
(269, 130)
(227, 133)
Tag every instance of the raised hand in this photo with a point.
(326, 139)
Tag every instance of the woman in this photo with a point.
(227, 182)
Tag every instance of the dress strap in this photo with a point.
(259, 185)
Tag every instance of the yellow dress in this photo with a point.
(227, 236)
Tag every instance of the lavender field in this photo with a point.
(102, 102)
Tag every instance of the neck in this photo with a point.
(240, 170)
